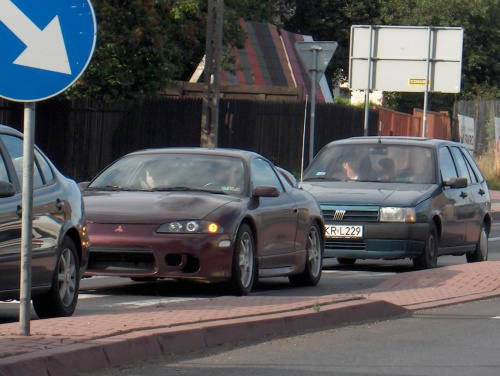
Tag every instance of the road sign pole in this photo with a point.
(315, 57)
(368, 85)
(314, 72)
(26, 219)
(426, 92)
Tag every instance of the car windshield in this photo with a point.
(173, 172)
(376, 162)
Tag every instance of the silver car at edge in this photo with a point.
(60, 242)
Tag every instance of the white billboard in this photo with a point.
(401, 58)
(467, 131)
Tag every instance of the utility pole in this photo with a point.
(211, 89)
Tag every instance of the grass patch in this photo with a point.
(489, 164)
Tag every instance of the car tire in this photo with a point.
(428, 258)
(481, 252)
(243, 268)
(61, 299)
(314, 260)
(346, 261)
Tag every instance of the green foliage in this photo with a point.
(481, 50)
(331, 20)
(142, 45)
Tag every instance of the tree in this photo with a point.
(331, 20)
(481, 50)
(143, 45)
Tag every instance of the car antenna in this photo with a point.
(303, 143)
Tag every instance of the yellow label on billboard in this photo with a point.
(417, 82)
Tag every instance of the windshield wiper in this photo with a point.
(188, 189)
(323, 178)
(104, 188)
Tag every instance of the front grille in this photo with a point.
(121, 259)
(344, 244)
(354, 215)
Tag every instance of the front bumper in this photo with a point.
(380, 241)
(138, 251)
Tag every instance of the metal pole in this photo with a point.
(26, 220)
(303, 143)
(313, 102)
(368, 85)
(426, 92)
(213, 58)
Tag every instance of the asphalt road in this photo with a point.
(459, 340)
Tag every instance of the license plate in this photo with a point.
(343, 231)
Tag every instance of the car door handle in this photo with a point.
(59, 204)
(463, 194)
(481, 191)
(19, 211)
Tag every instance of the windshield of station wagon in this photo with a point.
(180, 172)
(377, 162)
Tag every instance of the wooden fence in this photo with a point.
(83, 137)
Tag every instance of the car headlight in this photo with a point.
(397, 215)
(190, 227)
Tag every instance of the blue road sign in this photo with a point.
(45, 45)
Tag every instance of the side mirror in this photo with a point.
(82, 185)
(6, 189)
(266, 191)
(456, 183)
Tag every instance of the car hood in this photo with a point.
(150, 207)
(369, 193)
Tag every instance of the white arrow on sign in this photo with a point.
(45, 48)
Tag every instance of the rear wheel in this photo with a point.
(62, 297)
(428, 258)
(481, 252)
(314, 260)
(244, 265)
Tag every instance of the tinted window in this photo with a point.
(473, 164)
(374, 162)
(169, 171)
(263, 174)
(446, 164)
(44, 166)
(15, 147)
(463, 167)
(3, 170)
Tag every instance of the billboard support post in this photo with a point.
(426, 92)
(369, 83)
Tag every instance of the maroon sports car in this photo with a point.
(210, 215)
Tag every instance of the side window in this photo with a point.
(3, 170)
(44, 167)
(446, 164)
(462, 164)
(263, 174)
(15, 147)
(473, 164)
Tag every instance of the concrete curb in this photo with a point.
(134, 346)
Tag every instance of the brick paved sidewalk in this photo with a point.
(66, 346)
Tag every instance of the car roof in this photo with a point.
(9, 130)
(395, 140)
(238, 153)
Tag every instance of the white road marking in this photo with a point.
(148, 303)
(358, 273)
